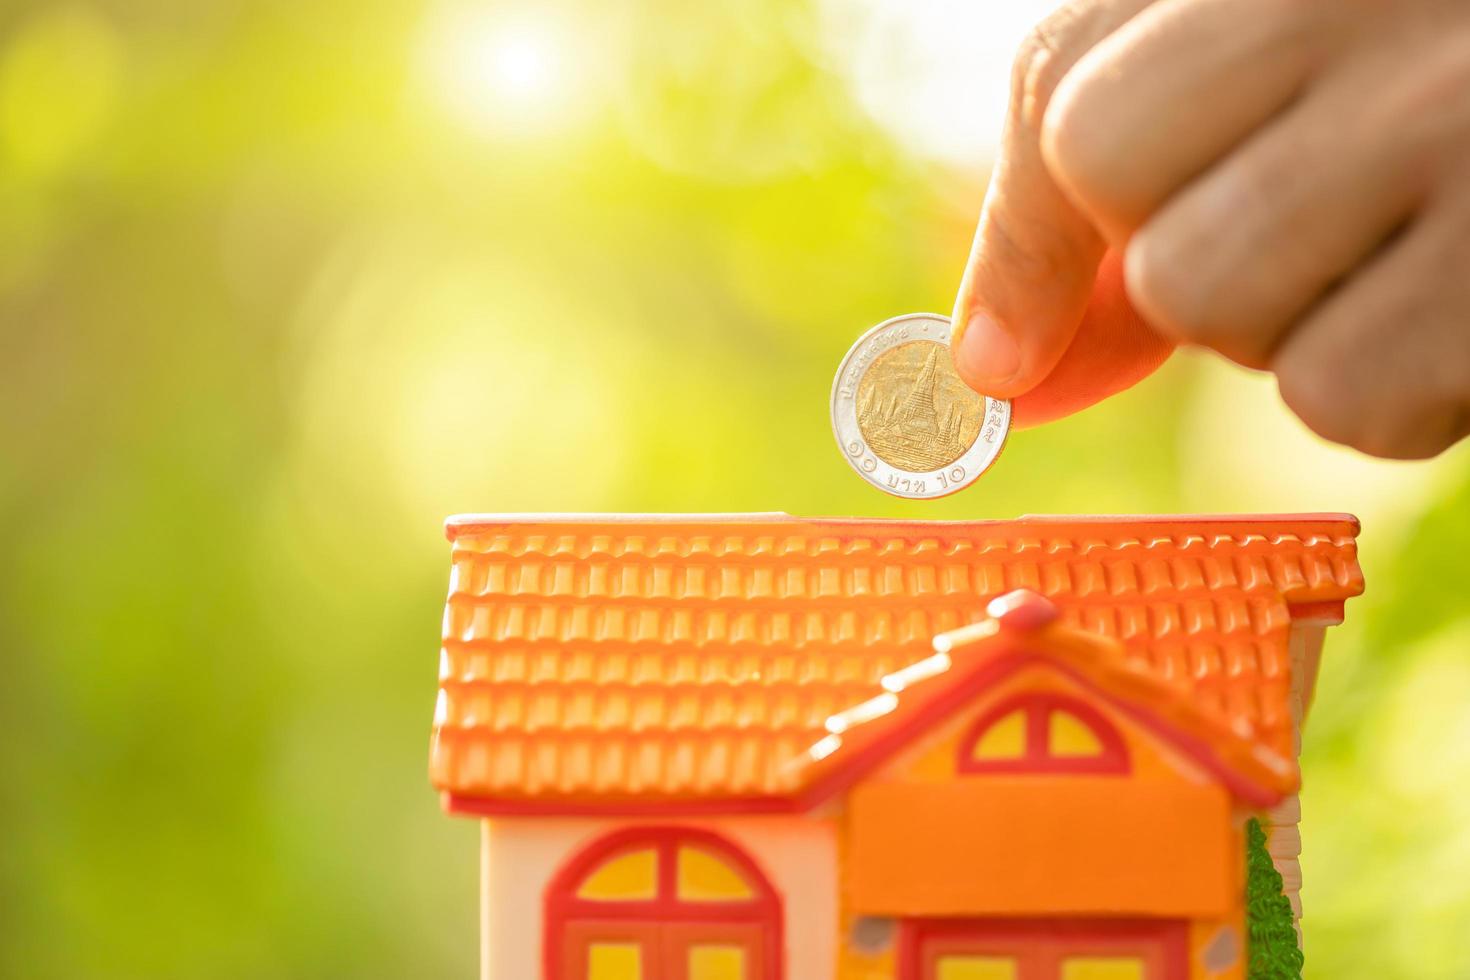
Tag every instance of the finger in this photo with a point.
(1113, 350)
(1239, 254)
(1383, 364)
(1032, 264)
(1169, 93)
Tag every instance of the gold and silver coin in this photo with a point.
(905, 421)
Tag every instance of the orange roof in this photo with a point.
(606, 662)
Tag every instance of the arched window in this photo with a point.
(1043, 733)
(655, 903)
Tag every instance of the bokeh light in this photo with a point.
(59, 78)
(508, 71)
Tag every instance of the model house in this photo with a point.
(759, 747)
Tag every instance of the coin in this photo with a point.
(903, 418)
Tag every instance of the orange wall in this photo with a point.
(1015, 845)
(922, 789)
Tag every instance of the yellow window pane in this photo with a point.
(716, 963)
(1070, 736)
(703, 877)
(1006, 739)
(1103, 968)
(614, 961)
(976, 968)
(628, 877)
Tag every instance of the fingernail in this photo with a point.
(987, 354)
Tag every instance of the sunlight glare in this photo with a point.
(934, 73)
(520, 63)
(498, 74)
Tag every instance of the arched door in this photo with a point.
(668, 903)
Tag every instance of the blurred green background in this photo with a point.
(282, 284)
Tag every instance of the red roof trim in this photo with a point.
(1328, 612)
(1197, 749)
(870, 757)
(944, 704)
(459, 805)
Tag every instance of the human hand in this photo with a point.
(1287, 183)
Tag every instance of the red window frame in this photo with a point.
(758, 917)
(1036, 756)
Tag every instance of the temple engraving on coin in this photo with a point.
(904, 420)
(914, 411)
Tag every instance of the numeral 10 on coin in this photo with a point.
(907, 485)
(954, 476)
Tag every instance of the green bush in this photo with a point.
(1274, 952)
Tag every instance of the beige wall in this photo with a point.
(1282, 824)
(520, 855)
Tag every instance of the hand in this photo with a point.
(1286, 182)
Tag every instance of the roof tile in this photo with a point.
(689, 657)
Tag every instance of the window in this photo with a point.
(629, 877)
(961, 967)
(1103, 968)
(662, 904)
(1043, 733)
(1043, 949)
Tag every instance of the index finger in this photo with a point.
(1035, 256)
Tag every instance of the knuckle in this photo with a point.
(1079, 138)
(1069, 145)
(1388, 425)
(1315, 395)
(1163, 281)
(1179, 282)
(1422, 103)
(1042, 61)
(1047, 259)
(1417, 434)
(1033, 79)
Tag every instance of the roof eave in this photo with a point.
(463, 805)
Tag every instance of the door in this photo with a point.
(1044, 950)
(975, 957)
(704, 951)
(673, 951)
(614, 951)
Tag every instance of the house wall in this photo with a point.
(1283, 824)
(519, 856)
(1216, 942)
